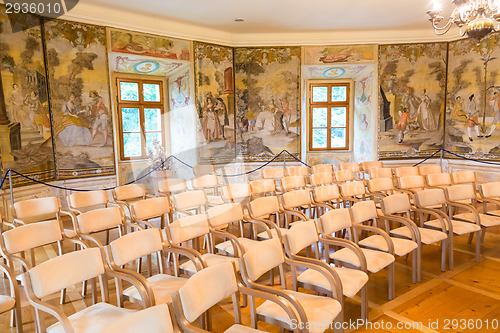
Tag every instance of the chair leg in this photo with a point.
(414, 266)
(391, 282)
(419, 263)
(483, 232)
(253, 314)
(63, 296)
(470, 237)
(364, 303)
(443, 255)
(451, 255)
(478, 243)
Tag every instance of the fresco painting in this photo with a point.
(80, 100)
(317, 55)
(136, 64)
(267, 82)
(28, 143)
(412, 80)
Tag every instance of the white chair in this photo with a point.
(12, 301)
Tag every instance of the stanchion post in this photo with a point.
(284, 159)
(441, 158)
(10, 188)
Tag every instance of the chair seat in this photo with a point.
(69, 233)
(94, 319)
(264, 234)
(494, 212)
(352, 280)
(228, 248)
(163, 285)
(214, 200)
(459, 227)
(375, 260)
(318, 309)
(427, 236)
(241, 329)
(401, 246)
(485, 220)
(6, 303)
(211, 260)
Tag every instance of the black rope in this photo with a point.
(470, 159)
(434, 154)
(251, 171)
(297, 159)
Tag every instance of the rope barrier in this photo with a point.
(470, 159)
(296, 158)
(251, 171)
(4, 177)
(434, 154)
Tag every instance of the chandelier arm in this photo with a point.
(442, 30)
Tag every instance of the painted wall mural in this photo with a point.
(25, 90)
(267, 101)
(214, 85)
(136, 64)
(473, 98)
(79, 92)
(122, 41)
(412, 80)
(318, 55)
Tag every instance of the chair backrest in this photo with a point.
(364, 211)
(430, 197)
(368, 165)
(135, 245)
(380, 173)
(297, 170)
(292, 183)
(79, 200)
(263, 186)
(411, 182)
(301, 235)
(335, 220)
(200, 170)
(380, 185)
(190, 200)
(344, 176)
(326, 193)
(460, 192)
(224, 214)
(172, 185)
(188, 228)
(429, 169)
(66, 270)
(99, 219)
(296, 199)
(262, 207)
(464, 177)
(323, 168)
(31, 236)
(151, 208)
(207, 288)
(405, 171)
(490, 190)
(129, 192)
(262, 258)
(204, 182)
(352, 189)
(438, 179)
(273, 173)
(318, 179)
(236, 192)
(396, 203)
(35, 210)
(354, 167)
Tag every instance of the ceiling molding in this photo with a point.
(119, 18)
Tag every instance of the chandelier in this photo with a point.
(475, 18)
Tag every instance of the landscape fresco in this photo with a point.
(25, 91)
(79, 91)
(214, 86)
(472, 124)
(267, 84)
(412, 80)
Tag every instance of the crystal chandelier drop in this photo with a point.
(475, 18)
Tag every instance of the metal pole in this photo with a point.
(10, 188)
(441, 158)
(284, 159)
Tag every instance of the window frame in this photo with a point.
(141, 105)
(329, 104)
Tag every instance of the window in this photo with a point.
(140, 109)
(329, 116)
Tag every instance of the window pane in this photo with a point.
(338, 137)
(131, 144)
(320, 94)
(151, 138)
(320, 117)
(152, 117)
(151, 92)
(131, 120)
(319, 138)
(339, 117)
(339, 94)
(129, 91)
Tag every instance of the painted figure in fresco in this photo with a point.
(458, 109)
(409, 102)
(221, 111)
(100, 112)
(472, 117)
(496, 112)
(402, 125)
(251, 120)
(426, 117)
(40, 119)
(211, 125)
(16, 101)
(74, 132)
(265, 120)
(287, 114)
(391, 83)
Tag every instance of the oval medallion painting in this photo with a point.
(146, 66)
(334, 72)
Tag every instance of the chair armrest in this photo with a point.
(347, 244)
(270, 225)
(390, 244)
(292, 212)
(441, 216)
(324, 205)
(137, 280)
(14, 289)
(143, 224)
(415, 234)
(237, 247)
(182, 212)
(193, 255)
(468, 207)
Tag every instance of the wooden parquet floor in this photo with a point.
(470, 292)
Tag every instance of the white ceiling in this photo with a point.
(286, 16)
